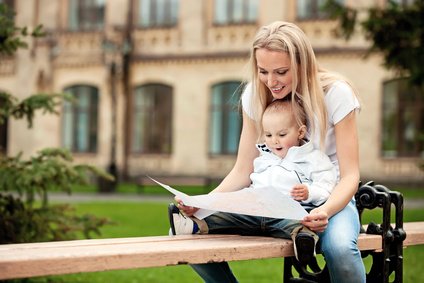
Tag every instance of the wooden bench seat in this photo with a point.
(40, 259)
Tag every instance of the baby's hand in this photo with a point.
(300, 192)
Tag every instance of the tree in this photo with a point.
(26, 215)
(395, 30)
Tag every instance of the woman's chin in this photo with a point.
(279, 95)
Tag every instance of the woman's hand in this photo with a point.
(317, 220)
(186, 210)
(300, 192)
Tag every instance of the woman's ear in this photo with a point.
(302, 132)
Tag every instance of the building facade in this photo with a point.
(157, 84)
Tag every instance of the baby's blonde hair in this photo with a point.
(284, 106)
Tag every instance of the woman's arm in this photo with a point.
(348, 157)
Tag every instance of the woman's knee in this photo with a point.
(340, 250)
(339, 243)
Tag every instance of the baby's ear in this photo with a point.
(302, 132)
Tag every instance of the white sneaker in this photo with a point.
(180, 224)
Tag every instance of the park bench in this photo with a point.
(384, 242)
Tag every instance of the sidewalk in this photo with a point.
(97, 197)
(87, 197)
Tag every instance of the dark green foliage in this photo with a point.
(23, 223)
(25, 213)
(395, 31)
(10, 35)
(26, 108)
(49, 170)
(347, 17)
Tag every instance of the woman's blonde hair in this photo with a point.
(307, 87)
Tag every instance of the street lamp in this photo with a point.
(111, 48)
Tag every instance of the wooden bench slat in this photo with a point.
(414, 233)
(39, 259)
(93, 242)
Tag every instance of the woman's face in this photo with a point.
(274, 71)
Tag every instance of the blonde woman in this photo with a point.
(284, 65)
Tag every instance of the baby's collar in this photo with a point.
(263, 148)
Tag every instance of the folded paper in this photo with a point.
(248, 201)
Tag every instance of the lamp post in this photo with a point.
(108, 186)
(119, 52)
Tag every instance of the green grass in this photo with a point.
(149, 219)
(127, 188)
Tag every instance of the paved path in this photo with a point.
(81, 197)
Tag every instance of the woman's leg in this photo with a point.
(216, 272)
(339, 246)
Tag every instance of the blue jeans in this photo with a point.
(339, 246)
(338, 243)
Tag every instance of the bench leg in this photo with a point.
(316, 274)
(390, 259)
(386, 262)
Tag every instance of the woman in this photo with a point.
(284, 64)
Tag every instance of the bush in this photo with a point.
(26, 215)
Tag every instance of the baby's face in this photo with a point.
(280, 132)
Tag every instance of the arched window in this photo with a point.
(152, 119)
(79, 123)
(225, 120)
(403, 120)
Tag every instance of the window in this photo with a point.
(79, 123)
(9, 10)
(403, 120)
(312, 9)
(152, 120)
(3, 130)
(235, 11)
(86, 14)
(158, 13)
(225, 119)
(403, 2)
(9, 3)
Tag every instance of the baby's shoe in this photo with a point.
(304, 245)
(180, 224)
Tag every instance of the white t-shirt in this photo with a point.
(339, 100)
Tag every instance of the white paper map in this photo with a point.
(249, 201)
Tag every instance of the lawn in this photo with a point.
(135, 219)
